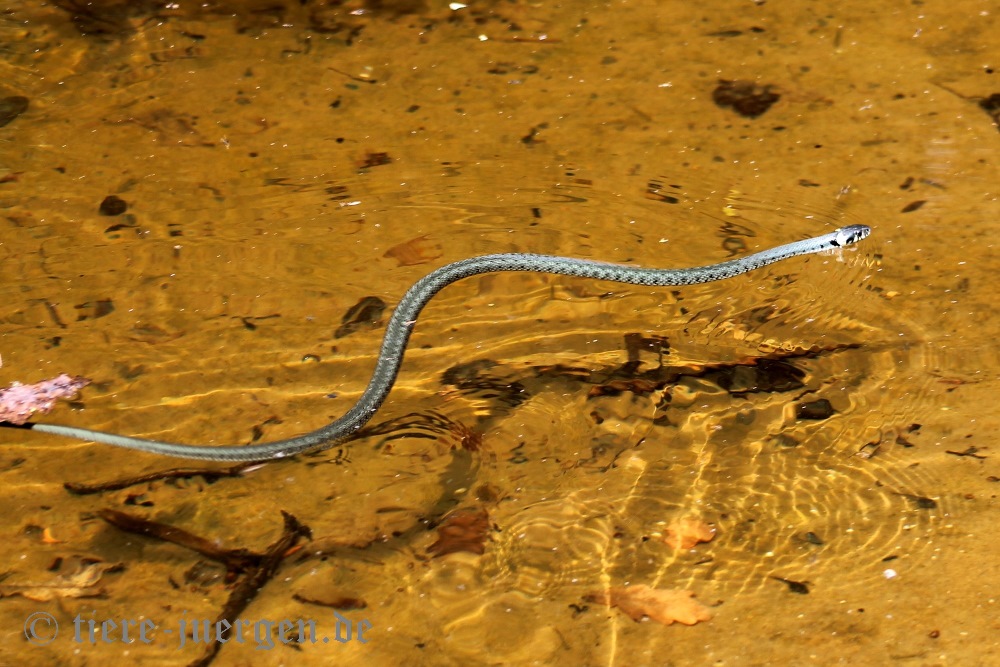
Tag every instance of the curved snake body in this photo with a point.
(403, 318)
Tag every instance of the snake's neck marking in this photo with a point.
(397, 334)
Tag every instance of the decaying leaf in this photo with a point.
(80, 584)
(415, 251)
(685, 532)
(462, 530)
(660, 604)
(19, 402)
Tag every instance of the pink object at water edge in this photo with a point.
(19, 402)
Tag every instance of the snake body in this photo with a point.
(403, 318)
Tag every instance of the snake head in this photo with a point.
(850, 234)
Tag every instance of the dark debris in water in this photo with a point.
(92, 310)
(971, 451)
(365, 314)
(821, 408)
(745, 97)
(919, 502)
(636, 343)
(913, 206)
(117, 19)
(991, 105)
(11, 107)
(799, 587)
(112, 205)
(763, 375)
(812, 538)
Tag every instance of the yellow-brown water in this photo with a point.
(281, 163)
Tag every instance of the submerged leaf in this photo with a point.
(462, 530)
(80, 584)
(686, 532)
(661, 605)
(419, 250)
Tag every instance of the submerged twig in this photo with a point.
(257, 568)
(235, 560)
(254, 581)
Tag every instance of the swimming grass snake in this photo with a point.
(397, 333)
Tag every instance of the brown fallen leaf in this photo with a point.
(80, 584)
(462, 530)
(415, 251)
(660, 604)
(372, 159)
(685, 532)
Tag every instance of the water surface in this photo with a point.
(830, 417)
